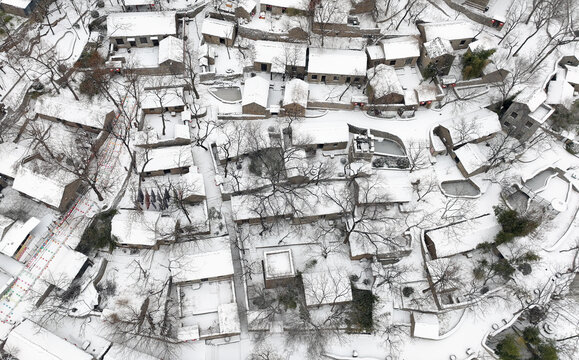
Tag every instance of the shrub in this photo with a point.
(546, 352)
(98, 234)
(360, 316)
(508, 349)
(503, 268)
(531, 335)
(512, 224)
(525, 268)
(407, 291)
(474, 62)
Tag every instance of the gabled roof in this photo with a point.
(384, 81)
(208, 265)
(127, 24)
(326, 287)
(219, 28)
(280, 54)
(292, 4)
(401, 47)
(256, 90)
(166, 158)
(29, 341)
(337, 61)
(73, 111)
(472, 126)
(437, 47)
(319, 132)
(12, 155)
(386, 186)
(296, 92)
(450, 30)
(471, 157)
(170, 48)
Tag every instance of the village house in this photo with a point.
(424, 325)
(280, 57)
(218, 31)
(18, 7)
(401, 51)
(326, 287)
(526, 114)
(295, 98)
(12, 156)
(245, 9)
(424, 95)
(9, 271)
(91, 117)
(331, 17)
(459, 33)
(66, 266)
(315, 135)
(375, 55)
(42, 182)
(171, 54)
(166, 160)
(384, 86)
(461, 237)
(17, 235)
(141, 229)
(162, 100)
(369, 240)
(140, 29)
(30, 341)
(336, 66)
(255, 96)
(437, 54)
(386, 187)
(278, 268)
(289, 7)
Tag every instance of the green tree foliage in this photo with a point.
(98, 234)
(512, 224)
(546, 351)
(531, 335)
(474, 62)
(508, 349)
(360, 317)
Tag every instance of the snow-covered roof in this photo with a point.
(20, 4)
(219, 28)
(572, 75)
(337, 61)
(375, 52)
(278, 264)
(541, 113)
(248, 5)
(437, 47)
(255, 90)
(296, 92)
(167, 158)
(127, 24)
(304, 202)
(426, 326)
(187, 333)
(531, 97)
(169, 97)
(137, 2)
(319, 132)
(208, 265)
(465, 236)
(228, 316)
(170, 48)
(189, 184)
(331, 11)
(472, 126)
(450, 30)
(370, 237)
(16, 235)
(121, 352)
(11, 154)
(483, 42)
(64, 267)
(329, 286)
(384, 81)
(386, 186)
(5, 224)
(471, 157)
(291, 4)
(401, 47)
(560, 92)
(9, 270)
(135, 228)
(29, 341)
(46, 187)
(426, 92)
(280, 54)
(73, 111)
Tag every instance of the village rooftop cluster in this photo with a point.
(289, 179)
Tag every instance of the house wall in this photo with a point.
(242, 13)
(385, 99)
(278, 10)
(159, 110)
(335, 79)
(173, 171)
(571, 60)
(254, 108)
(106, 122)
(140, 41)
(69, 195)
(374, 62)
(18, 11)
(294, 110)
(460, 43)
(362, 7)
(516, 122)
(216, 40)
(402, 62)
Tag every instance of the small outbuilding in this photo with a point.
(255, 96)
(295, 97)
(384, 86)
(140, 29)
(218, 31)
